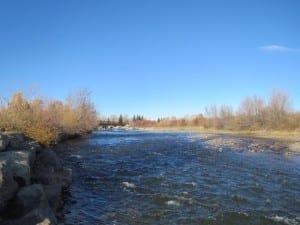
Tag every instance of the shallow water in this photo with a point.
(136, 178)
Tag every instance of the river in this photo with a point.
(160, 178)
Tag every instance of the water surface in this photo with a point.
(136, 178)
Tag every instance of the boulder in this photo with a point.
(15, 172)
(16, 140)
(294, 147)
(48, 170)
(53, 193)
(45, 222)
(31, 207)
(19, 163)
(66, 177)
(8, 186)
(47, 159)
(3, 141)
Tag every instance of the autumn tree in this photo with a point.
(18, 113)
(198, 120)
(82, 111)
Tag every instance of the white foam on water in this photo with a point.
(185, 200)
(173, 203)
(76, 156)
(288, 221)
(162, 174)
(192, 183)
(157, 153)
(128, 185)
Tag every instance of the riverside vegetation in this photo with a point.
(48, 121)
(254, 115)
(32, 177)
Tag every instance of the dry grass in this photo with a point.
(284, 135)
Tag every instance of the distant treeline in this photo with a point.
(253, 113)
(47, 121)
(122, 120)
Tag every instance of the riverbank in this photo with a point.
(32, 182)
(287, 142)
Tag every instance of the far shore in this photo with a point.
(284, 140)
(293, 136)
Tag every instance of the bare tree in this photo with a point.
(251, 112)
(226, 116)
(212, 116)
(279, 108)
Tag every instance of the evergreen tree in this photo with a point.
(121, 120)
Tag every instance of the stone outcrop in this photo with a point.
(32, 180)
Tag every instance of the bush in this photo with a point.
(46, 120)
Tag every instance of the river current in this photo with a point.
(160, 178)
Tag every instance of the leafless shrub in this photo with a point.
(45, 120)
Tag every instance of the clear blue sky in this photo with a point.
(152, 57)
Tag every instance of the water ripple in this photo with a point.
(138, 178)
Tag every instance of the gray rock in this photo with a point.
(20, 165)
(48, 177)
(53, 193)
(16, 140)
(8, 186)
(66, 177)
(45, 222)
(294, 147)
(31, 207)
(48, 159)
(48, 170)
(15, 171)
(3, 141)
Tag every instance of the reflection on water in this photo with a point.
(134, 177)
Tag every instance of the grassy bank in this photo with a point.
(293, 136)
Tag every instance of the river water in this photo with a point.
(161, 178)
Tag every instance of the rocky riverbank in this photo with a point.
(286, 142)
(250, 144)
(32, 182)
